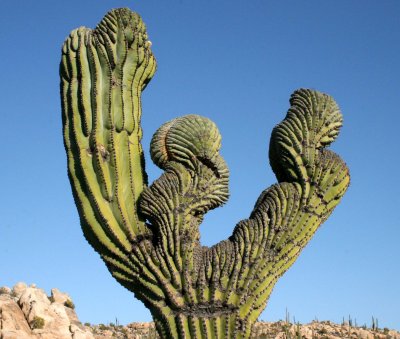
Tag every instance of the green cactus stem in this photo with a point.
(148, 236)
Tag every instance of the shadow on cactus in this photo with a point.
(148, 236)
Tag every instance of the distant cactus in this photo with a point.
(149, 236)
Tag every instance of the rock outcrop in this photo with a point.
(319, 330)
(27, 312)
(261, 330)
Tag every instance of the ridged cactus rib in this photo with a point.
(149, 236)
(103, 72)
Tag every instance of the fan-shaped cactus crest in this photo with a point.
(148, 236)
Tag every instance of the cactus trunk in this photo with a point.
(148, 236)
(202, 325)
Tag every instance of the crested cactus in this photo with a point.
(148, 236)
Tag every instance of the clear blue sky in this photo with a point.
(236, 62)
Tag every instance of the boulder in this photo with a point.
(18, 289)
(13, 324)
(5, 290)
(59, 297)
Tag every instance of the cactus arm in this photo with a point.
(103, 72)
(286, 216)
(195, 181)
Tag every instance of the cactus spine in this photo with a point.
(148, 236)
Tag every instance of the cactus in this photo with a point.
(148, 236)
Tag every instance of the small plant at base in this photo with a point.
(37, 323)
(286, 328)
(298, 331)
(69, 304)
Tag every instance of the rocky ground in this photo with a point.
(27, 312)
